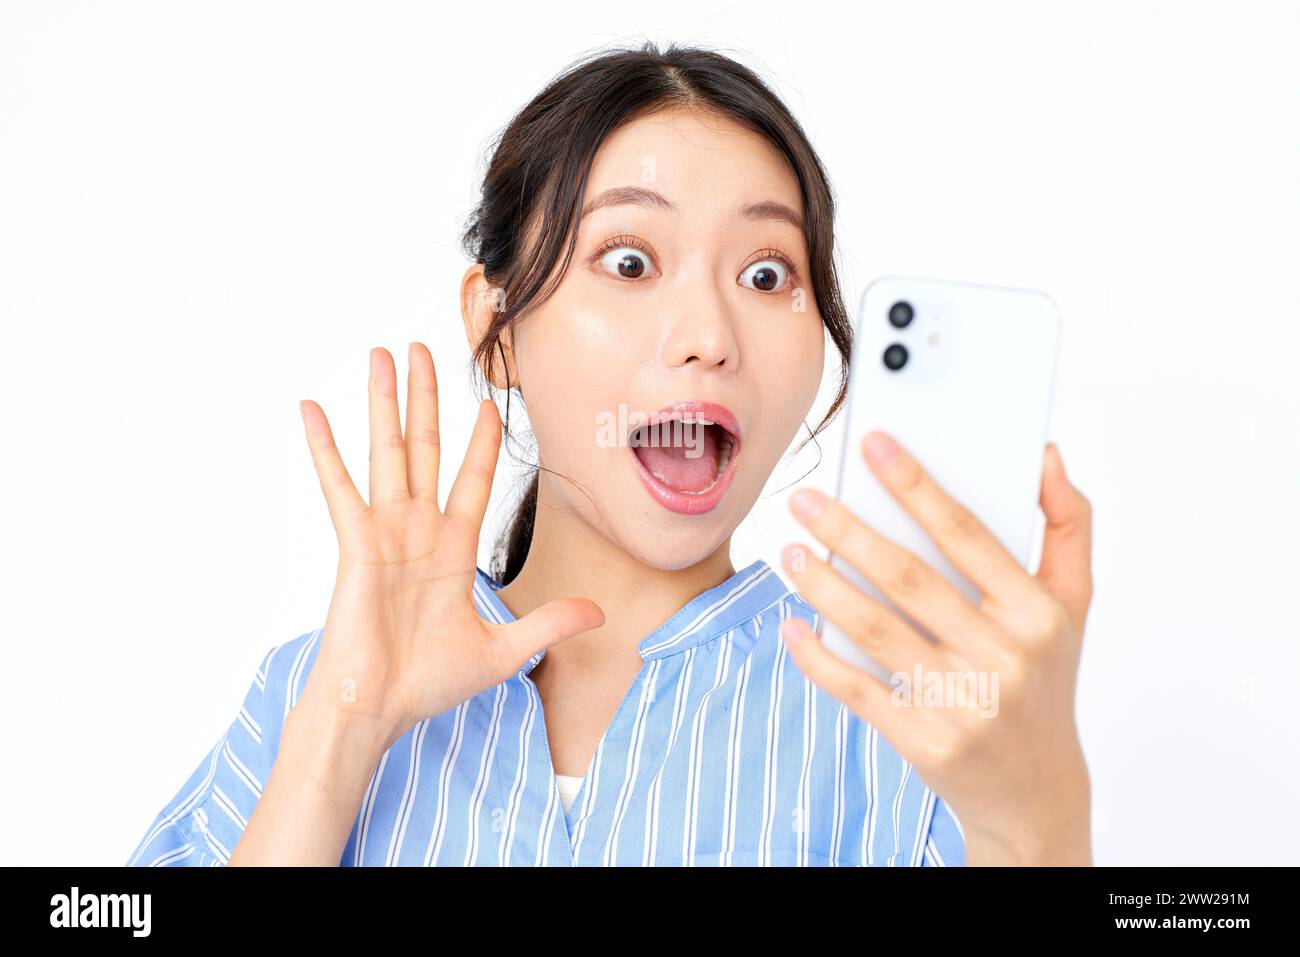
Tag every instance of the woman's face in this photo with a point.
(689, 283)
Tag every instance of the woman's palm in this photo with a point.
(403, 639)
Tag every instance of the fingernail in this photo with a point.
(807, 503)
(881, 448)
(1056, 451)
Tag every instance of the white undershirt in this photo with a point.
(568, 785)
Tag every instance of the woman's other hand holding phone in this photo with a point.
(1016, 779)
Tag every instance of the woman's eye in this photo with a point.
(626, 262)
(768, 275)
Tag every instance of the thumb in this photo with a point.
(551, 623)
(1066, 565)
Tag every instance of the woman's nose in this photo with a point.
(708, 351)
(704, 334)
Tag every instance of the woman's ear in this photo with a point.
(480, 303)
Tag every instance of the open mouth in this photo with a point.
(686, 454)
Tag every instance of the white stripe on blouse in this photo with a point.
(722, 753)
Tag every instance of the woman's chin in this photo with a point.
(669, 543)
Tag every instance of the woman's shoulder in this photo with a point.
(203, 819)
(290, 659)
(279, 680)
(790, 604)
(796, 604)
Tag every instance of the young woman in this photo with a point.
(653, 281)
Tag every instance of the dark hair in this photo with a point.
(538, 174)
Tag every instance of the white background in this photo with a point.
(210, 211)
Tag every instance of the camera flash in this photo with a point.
(932, 339)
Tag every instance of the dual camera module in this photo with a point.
(901, 315)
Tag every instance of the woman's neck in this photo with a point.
(568, 558)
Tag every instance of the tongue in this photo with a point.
(683, 458)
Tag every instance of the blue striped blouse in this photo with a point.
(721, 753)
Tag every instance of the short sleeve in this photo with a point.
(945, 843)
(200, 825)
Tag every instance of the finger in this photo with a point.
(972, 548)
(863, 694)
(874, 628)
(473, 486)
(422, 439)
(341, 496)
(387, 451)
(916, 588)
(553, 622)
(1065, 568)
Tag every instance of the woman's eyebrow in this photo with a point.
(622, 195)
(642, 196)
(770, 209)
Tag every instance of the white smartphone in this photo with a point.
(961, 375)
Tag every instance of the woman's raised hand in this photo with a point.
(403, 639)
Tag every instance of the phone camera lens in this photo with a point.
(900, 314)
(896, 356)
